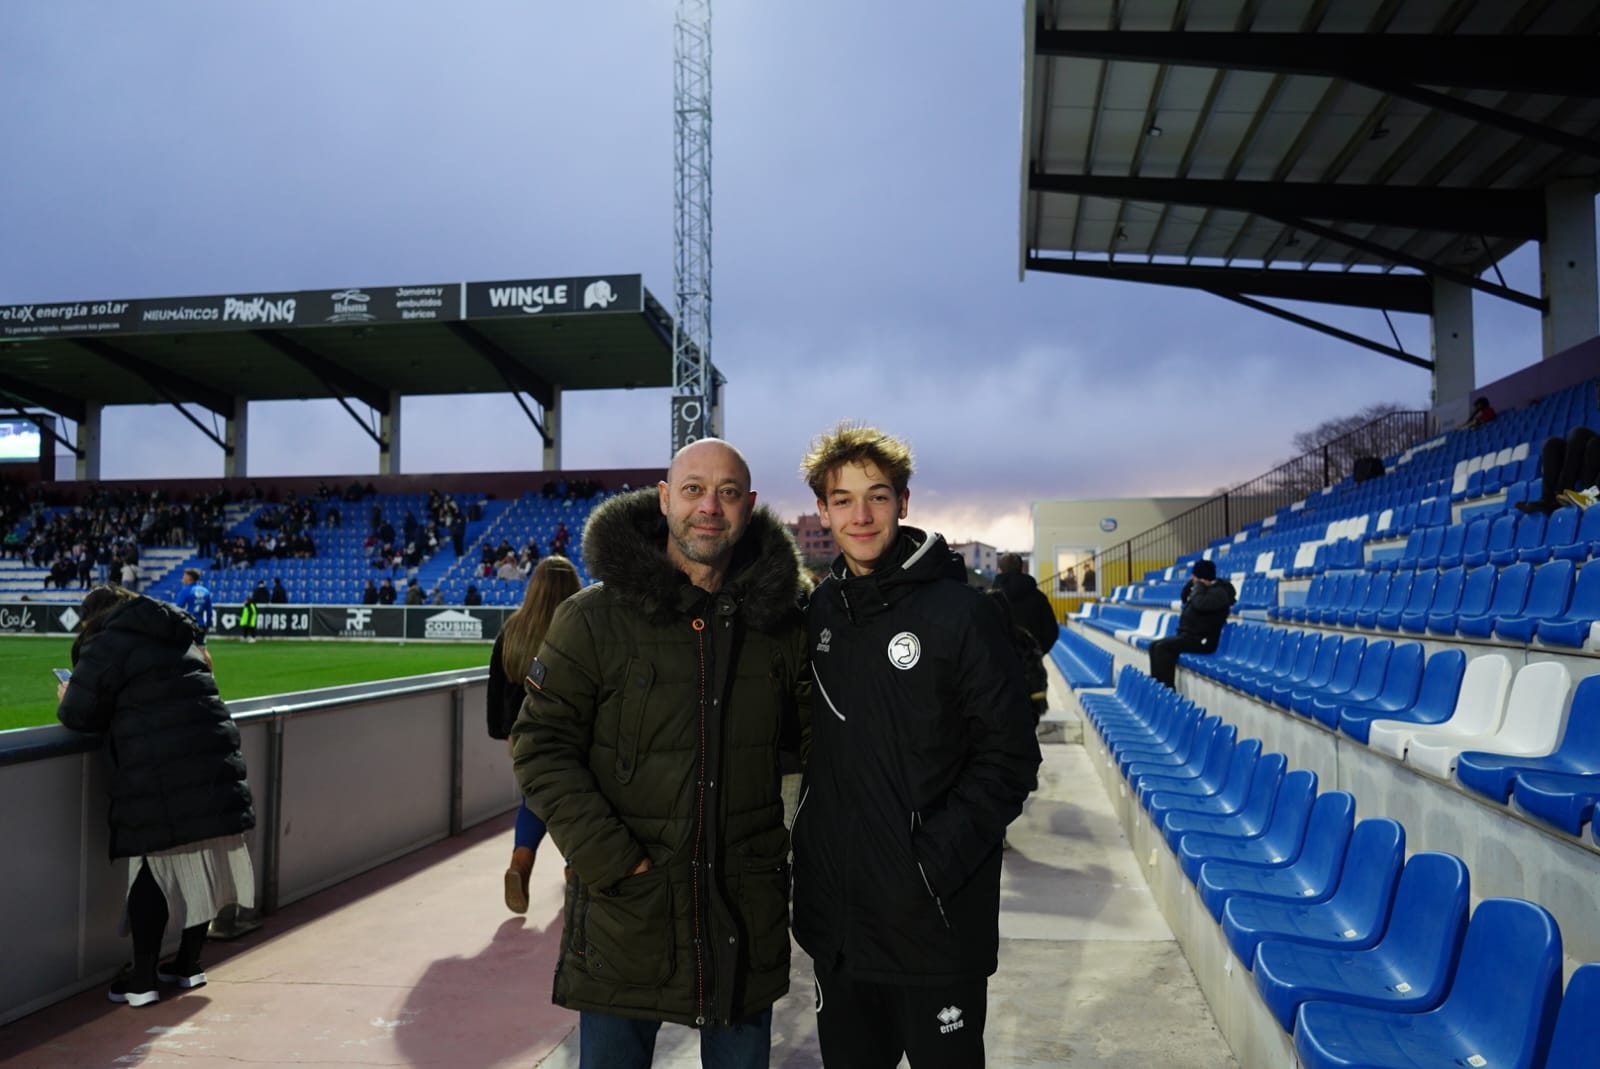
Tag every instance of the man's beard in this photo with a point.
(696, 549)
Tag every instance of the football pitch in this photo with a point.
(275, 666)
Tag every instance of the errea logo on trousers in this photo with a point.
(950, 1020)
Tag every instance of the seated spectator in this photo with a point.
(259, 595)
(1206, 601)
(1482, 412)
(437, 597)
(1569, 469)
(280, 596)
(509, 568)
(472, 596)
(369, 596)
(414, 594)
(386, 592)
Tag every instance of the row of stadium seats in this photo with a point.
(1524, 739)
(1554, 604)
(1368, 958)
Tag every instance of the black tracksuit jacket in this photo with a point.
(922, 751)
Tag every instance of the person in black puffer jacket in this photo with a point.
(179, 801)
(922, 750)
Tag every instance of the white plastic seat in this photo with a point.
(1520, 453)
(1149, 622)
(1479, 708)
(1534, 716)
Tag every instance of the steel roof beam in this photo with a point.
(41, 397)
(1555, 64)
(1332, 331)
(515, 375)
(1366, 289)
(175, 388)
(1393, 255)
(333, 376)
(1514, 213)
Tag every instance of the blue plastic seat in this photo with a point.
(1346, 666)
(1368, 593)
(1372, 600)
(1586, 543)
(1339, 598)
(1315, 877)
(1476, 592)
(1572, 627)
(1398, 691)
(1548, 595)
(1394, 600)
(1485, 535)
(1560, 532)
(1500, 1011)
(1564, 800)
(1408, 969)
(1251, 818)
(1298, 813)
(1219, 787)
(1317, 675)
(1455, 541)
(1435, 697)
(1509, 597)
(1530, 527)
(1365, 687)
(1354, 916)
(1446, 596)
(1187, 761)
(1572, 1046)
(1419, 593)
(1433, 545)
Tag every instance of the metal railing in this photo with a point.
(1250, 501)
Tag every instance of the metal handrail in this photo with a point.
(1252, 500)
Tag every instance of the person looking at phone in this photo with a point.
(180, 804)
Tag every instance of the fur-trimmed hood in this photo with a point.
(625, 547)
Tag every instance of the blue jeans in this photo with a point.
(530, 829)
(609, 1042)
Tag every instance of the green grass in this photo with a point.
(28, 690)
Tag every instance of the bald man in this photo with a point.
(649, 744)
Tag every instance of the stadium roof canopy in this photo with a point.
(364, 344)
(1341, 151)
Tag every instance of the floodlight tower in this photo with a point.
(696, 411)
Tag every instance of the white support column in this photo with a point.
(389, 431)
(88, 467)
(1454, 370)
(1567, 266)
(236, 465)
(552, 430)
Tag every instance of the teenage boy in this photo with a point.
(922, 751)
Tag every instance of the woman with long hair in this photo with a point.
(180, 805)
(552, 582)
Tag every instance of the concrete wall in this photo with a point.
(344, 780)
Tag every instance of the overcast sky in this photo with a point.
(866, 168)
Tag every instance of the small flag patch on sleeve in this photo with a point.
(535, 676)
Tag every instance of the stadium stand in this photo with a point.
(1433, 653)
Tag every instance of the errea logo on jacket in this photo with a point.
(823, 640)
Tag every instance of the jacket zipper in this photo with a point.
(916, 819)
(699, 626)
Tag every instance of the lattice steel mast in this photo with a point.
(693, 377)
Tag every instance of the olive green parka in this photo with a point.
(652, 727)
